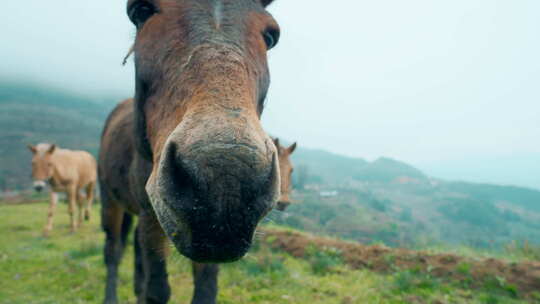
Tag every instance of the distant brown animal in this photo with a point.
(188, 155)
(64, 171)
(286, 169)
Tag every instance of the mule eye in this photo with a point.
(140, 12)
(271, 38)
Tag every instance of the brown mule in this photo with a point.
(65, 171)
(286, 169)
(188, 155)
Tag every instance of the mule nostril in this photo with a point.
(181, 183)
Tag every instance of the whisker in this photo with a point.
(131, 50)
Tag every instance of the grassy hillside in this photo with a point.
(68, 268)
(416, 216)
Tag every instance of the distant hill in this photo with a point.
(328, 167)
(387, 170)
(334, 169)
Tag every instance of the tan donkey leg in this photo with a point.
(89, 200)
(80, 206)
(72, 198)
(50, 214)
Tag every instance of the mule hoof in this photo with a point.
(86, 216)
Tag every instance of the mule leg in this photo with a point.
(72, 198)
(116, 224)
(154, 251)
(89, 200)
(206, 284)
(139, 270)
(50, 214)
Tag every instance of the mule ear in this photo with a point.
(292, 148)
(32, 149)
(266, 3)
(276, 142)
(51, 149)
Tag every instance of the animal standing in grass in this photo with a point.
(188, 154)
(286, 169)
(65, 171)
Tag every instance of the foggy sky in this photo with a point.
(449, 86)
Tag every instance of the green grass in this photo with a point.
(68, 268)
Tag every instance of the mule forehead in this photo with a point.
(42, 149)
(283, 152)
(285, 165)
(284, 159)
(203, 20)
(217, 8)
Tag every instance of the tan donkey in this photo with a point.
(65, 171)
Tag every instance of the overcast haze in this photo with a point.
(451, 87)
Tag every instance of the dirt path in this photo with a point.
(523, 277)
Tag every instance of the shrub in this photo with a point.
(323, 260)
(264, 264)
(408, 280)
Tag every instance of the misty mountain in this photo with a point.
(327, 167)
(488, 169)
(335, 169)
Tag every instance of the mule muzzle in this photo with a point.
(210, 198)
